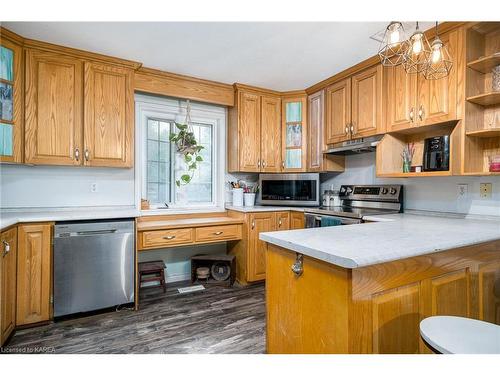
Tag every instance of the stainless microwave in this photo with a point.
(298, 189)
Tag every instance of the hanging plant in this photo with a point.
(187, 146)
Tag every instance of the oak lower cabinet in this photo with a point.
(34, 273)
(8, 271)
(297, 220)
(376, 308)
(77, 112)
(254, 131)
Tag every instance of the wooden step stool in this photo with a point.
(155, 271)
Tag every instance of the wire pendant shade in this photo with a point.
(418, 54)
(439, 64)
(394, 45)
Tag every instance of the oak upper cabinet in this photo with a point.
(54, 111)
(270, 150)
(294, 133)
(316, 160)
(108, 120)
(338, 111)
(34, 273)
(413, 100)
(254, 131)
(401, 98)
(256, 252)
(8, 272)
(366, 110)
(11, 82)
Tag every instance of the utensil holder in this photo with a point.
(249, 199)
(238, 197)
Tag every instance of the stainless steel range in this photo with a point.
(358, 201)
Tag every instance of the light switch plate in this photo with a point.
(485, 190)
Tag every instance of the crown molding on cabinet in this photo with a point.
(260, 90)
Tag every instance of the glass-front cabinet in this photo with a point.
(294, 133)
(11, 112)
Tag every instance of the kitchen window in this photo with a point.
(162, 166)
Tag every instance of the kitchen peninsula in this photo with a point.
(365, 288)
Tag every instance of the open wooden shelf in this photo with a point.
(485, 64)
(487, 99)
(415, 174)
(485, 133)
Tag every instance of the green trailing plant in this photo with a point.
(187, 145)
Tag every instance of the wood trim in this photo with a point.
(10, 35)
(169, 84)
(442, 28)
(255, 89)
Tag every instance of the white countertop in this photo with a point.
(456, 335)
(393, 237)
(11, 217)
(259, 208)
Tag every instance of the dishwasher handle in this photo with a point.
(93, 232)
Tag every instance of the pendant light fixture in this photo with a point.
(439, 64)
(394, 45)
(418, 53)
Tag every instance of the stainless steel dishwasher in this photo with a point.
(93, 265)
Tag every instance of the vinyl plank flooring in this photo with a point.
(217, 320)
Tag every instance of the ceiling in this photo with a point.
(281, 56)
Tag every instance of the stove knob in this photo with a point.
(349, 190)
(384, 190)
(342, 189)
(393, 191)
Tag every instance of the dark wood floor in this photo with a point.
(217, 320)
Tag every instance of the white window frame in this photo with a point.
(170, 109)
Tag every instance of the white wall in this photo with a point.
(24, 186)
(432, 193)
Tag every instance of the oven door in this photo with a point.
(300, 189)
(314, 220)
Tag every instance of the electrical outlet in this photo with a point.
(485, 190)
(462, 191)
(93, 187)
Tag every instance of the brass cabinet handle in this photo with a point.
(347, 129)
(253, 224)
(283, 164)
(258, 163)
(77, 154)
(263, 163)
(279, 222)
(352, 129)
(6, 248)
(218, 233)
(87, 154)
(168, 237)
(298, 266)
(411, 114)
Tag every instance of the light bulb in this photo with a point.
(394, 35)
(436, 51)
(417, 44)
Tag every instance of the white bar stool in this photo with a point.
(457, 335)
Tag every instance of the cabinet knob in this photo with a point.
(347, 129)
(298, 266)
(87, 154)
(263, 163)
(283, 164)
(6, 248)
(77, 154)
(421, 112)
(279, 222)
(258, 163)
(253, 224)
(411, 114)
(352, 129)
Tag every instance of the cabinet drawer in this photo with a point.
(218, 233)
(166, 238)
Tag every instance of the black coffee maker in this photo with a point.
(437, 153)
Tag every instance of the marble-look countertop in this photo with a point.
(11, 217)
(392, 237)
(258, 208)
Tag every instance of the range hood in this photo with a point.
(356, 146)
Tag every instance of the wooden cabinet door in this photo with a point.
(249, 132)
(8, 271)
(53, 111)
(315, 139)
(366, 115)
(294, 134)
(400, 99)
(338, 111)
(437, 98)
(259, 222)
(270, 147)
(297, 220)
(283, 220)
(33, 273)
(108, 121)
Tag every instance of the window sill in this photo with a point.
(177, 211)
